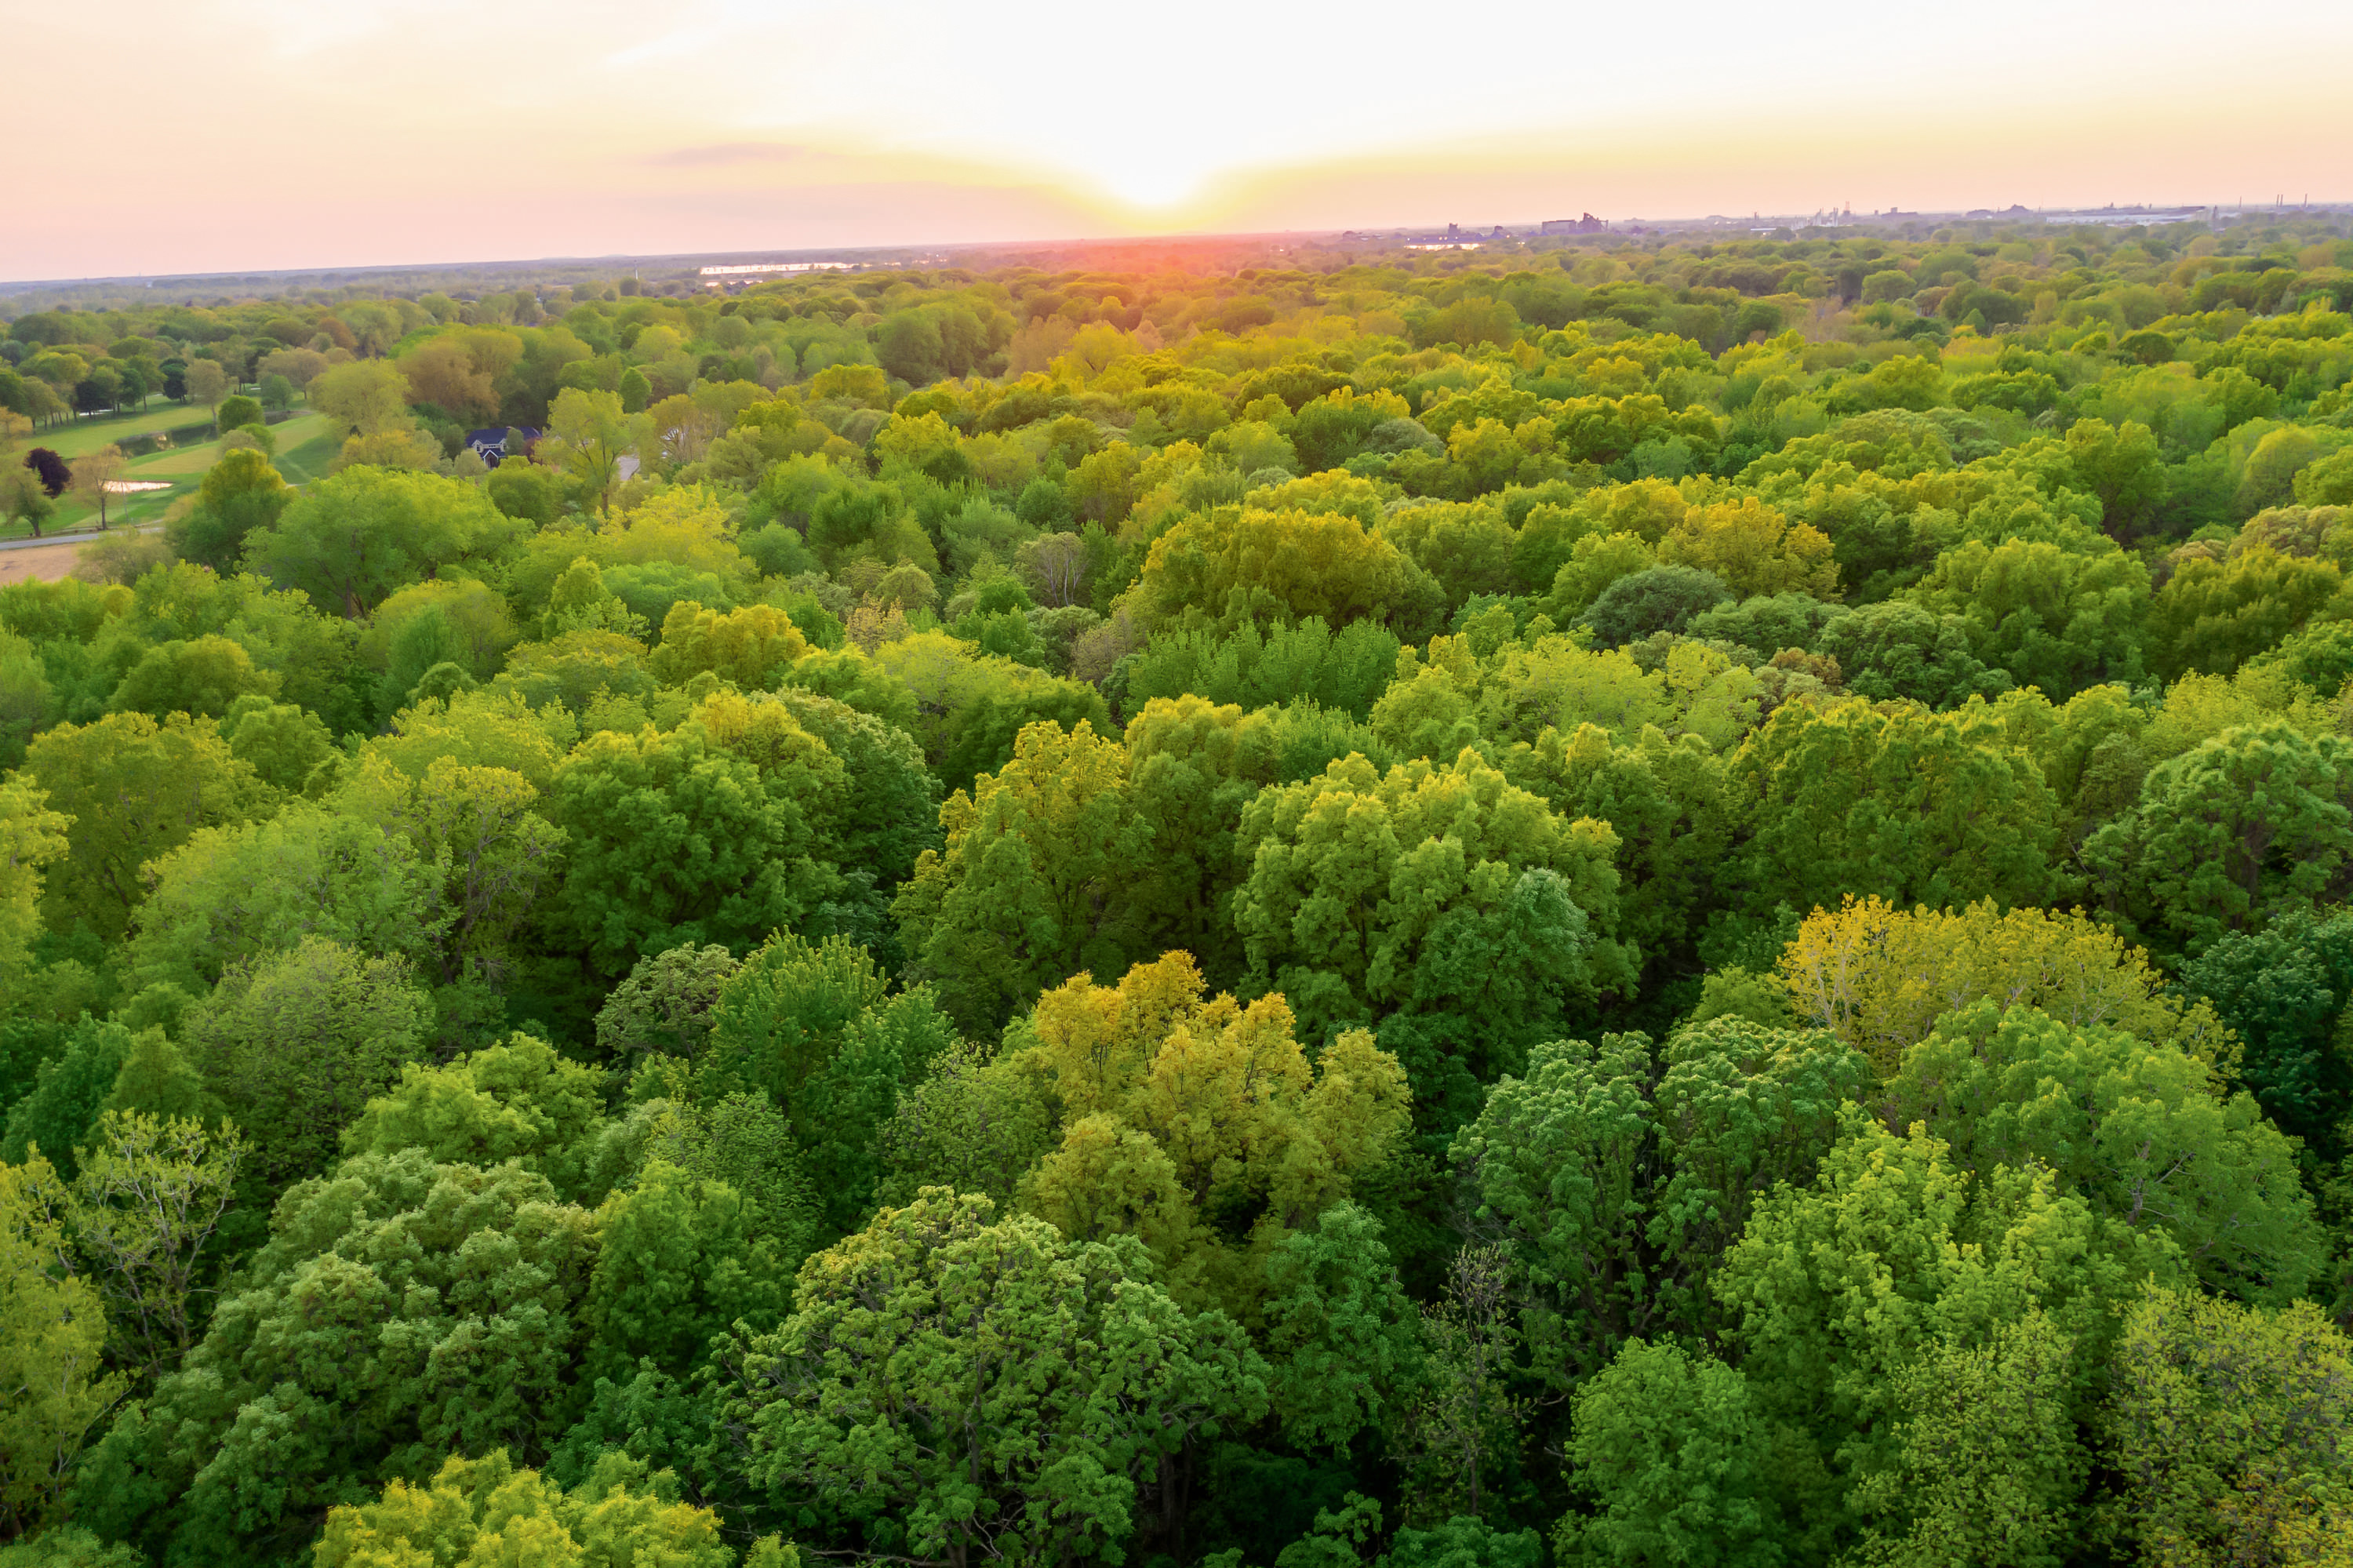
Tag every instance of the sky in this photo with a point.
(212, 135)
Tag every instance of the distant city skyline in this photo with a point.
(269, 135)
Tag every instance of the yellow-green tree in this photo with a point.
(1879, 977)
(1754, 548)
(1237, 563)
(1185, 1112)
(2221, 1420)
(748, 646)
(486, 1510)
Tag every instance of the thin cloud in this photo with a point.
(727, 155)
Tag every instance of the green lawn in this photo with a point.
(86, 436)
(306, 444)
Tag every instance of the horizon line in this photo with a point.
(2014, 212)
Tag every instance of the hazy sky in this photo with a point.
(219, 134)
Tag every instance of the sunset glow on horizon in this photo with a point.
(263, 134)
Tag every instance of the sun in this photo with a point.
(1144, 178)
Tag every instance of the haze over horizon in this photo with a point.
(396, 132)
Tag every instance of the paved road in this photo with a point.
(72, 536)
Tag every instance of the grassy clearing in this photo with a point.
(305, 447)
(306, 444)
(86, 436)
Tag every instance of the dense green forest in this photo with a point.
(1653, 903)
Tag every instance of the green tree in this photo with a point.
(1935, 809)
(1900, 648)
(2215, 615)
(968, 711)
(587, 436)
(2123, 466)
(1988, 1468)
(207, 384)
(664, 1006)
(70, 1546)
(53, 1331)
(1191, 768)
(1463, 1539)
(681, 1258)
(236, 413)
(27, 701)
(2251, 824)
(1670, 803)
(1343, 669)
(1036, 880)
(522, 490)
(581, 602)
(1615, 1180)
(149, 1195)
(976, 1123)
(365, 1316)
(135, 789)
(2057, 619)
(23, 499)
(70, 1091)
(435, 639)
(2283, 987)
(295, 1043)
(745, 1143)
(483, 850)
(715, 831)
(32, 838)
(1674, 1464)
(955, 1386)
(1892, 1254)
(205, 676)
(815, 1028)
(515, 1103)
(1340, 1331)
(1656, 599)
(235, 894)
(94, 471)
(363, 398)
(352, 540)
(2132, 1127)
(893, 814)
(1465, 1432)
(1434, 889)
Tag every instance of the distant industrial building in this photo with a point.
(1588, 223)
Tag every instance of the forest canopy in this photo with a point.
(1629, 901)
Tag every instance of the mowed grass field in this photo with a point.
(306, 444)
